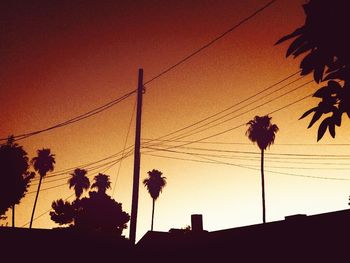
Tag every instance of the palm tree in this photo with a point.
(79, 181)
(14, 175)
(102, 183)
(42, 163)
(263, 132)
(154, 184)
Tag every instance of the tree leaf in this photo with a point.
(306, 47)
(315, 118)
(297, 32)
(337, 114)
(322, 128)
(322, 92)
(331, 128)
(308, 63)
(335, 86)
(307, 113)
(318, 72)
(332, 87)
(296, 44)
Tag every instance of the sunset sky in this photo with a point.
(60, 59)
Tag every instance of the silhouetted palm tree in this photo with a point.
(15, 176)
(154, 184)
(79, 181)
(42, 163)
(102, 183)
(263, 132)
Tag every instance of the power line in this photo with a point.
(228, 108)
(49, 188)
(269, 160)
(210, 42)
(98, 167)
(252, 153)
(245, 143)
(238, 126)
(126, 141)
(238, 115)
(290, 174)
(84, 166)
(52, 187)
(44, 213)
(75, 119)
(210, 161)
(112, 103)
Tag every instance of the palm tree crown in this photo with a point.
(44, 162)
(262, 131)
(102, 183)
(79, 181)
(154, 183)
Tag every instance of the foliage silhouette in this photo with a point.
(324, 39)
(43, 163)
(79, 181)
(263, 132)
(63, 213)
(102, 183)
(154, 184)
(98, 212)
(15, 176)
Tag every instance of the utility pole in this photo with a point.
(135, 189)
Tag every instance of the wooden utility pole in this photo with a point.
(135, 190)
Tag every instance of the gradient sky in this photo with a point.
(60, 59)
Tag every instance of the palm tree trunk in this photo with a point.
(152, 214)
(263, 185)
(36, 199)
(13, 215)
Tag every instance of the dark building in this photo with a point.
(298, 238)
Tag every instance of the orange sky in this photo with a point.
(62, 59)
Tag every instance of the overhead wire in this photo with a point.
(112, 103)
(86, 166)
(48, 179)
(75, 119)
(44, 213)
(211, 161)
(125, 143)
(245, 143)
(210, 42)
(238, 115)
(254, 153)
(228, 108)
(237, 126)
(268, 159)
